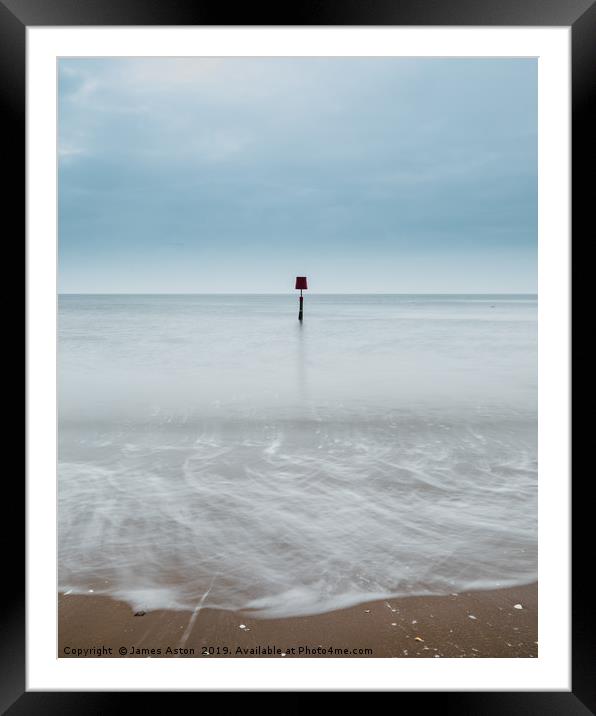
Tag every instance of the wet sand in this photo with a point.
(470, 625)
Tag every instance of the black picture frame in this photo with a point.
(580, 15)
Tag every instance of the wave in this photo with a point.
(283, 518)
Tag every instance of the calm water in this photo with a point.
(213, 450)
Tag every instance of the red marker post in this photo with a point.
(301, 284)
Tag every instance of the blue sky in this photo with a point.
(233, 175)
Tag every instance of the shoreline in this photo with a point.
(483, 624)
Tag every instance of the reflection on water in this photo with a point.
(301, 362)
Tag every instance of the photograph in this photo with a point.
(297, 357)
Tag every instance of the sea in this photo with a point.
(213, 451)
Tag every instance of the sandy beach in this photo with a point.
(470, 625)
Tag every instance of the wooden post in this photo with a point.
(301, 284)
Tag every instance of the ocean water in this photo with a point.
(214, 452)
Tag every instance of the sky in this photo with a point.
(234, 175)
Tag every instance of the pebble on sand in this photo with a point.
(471, 616)
(242, 626)
(517, 606)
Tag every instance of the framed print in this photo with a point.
(298, 352)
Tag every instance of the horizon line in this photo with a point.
(292, 293)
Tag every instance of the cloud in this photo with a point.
(246, 157)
